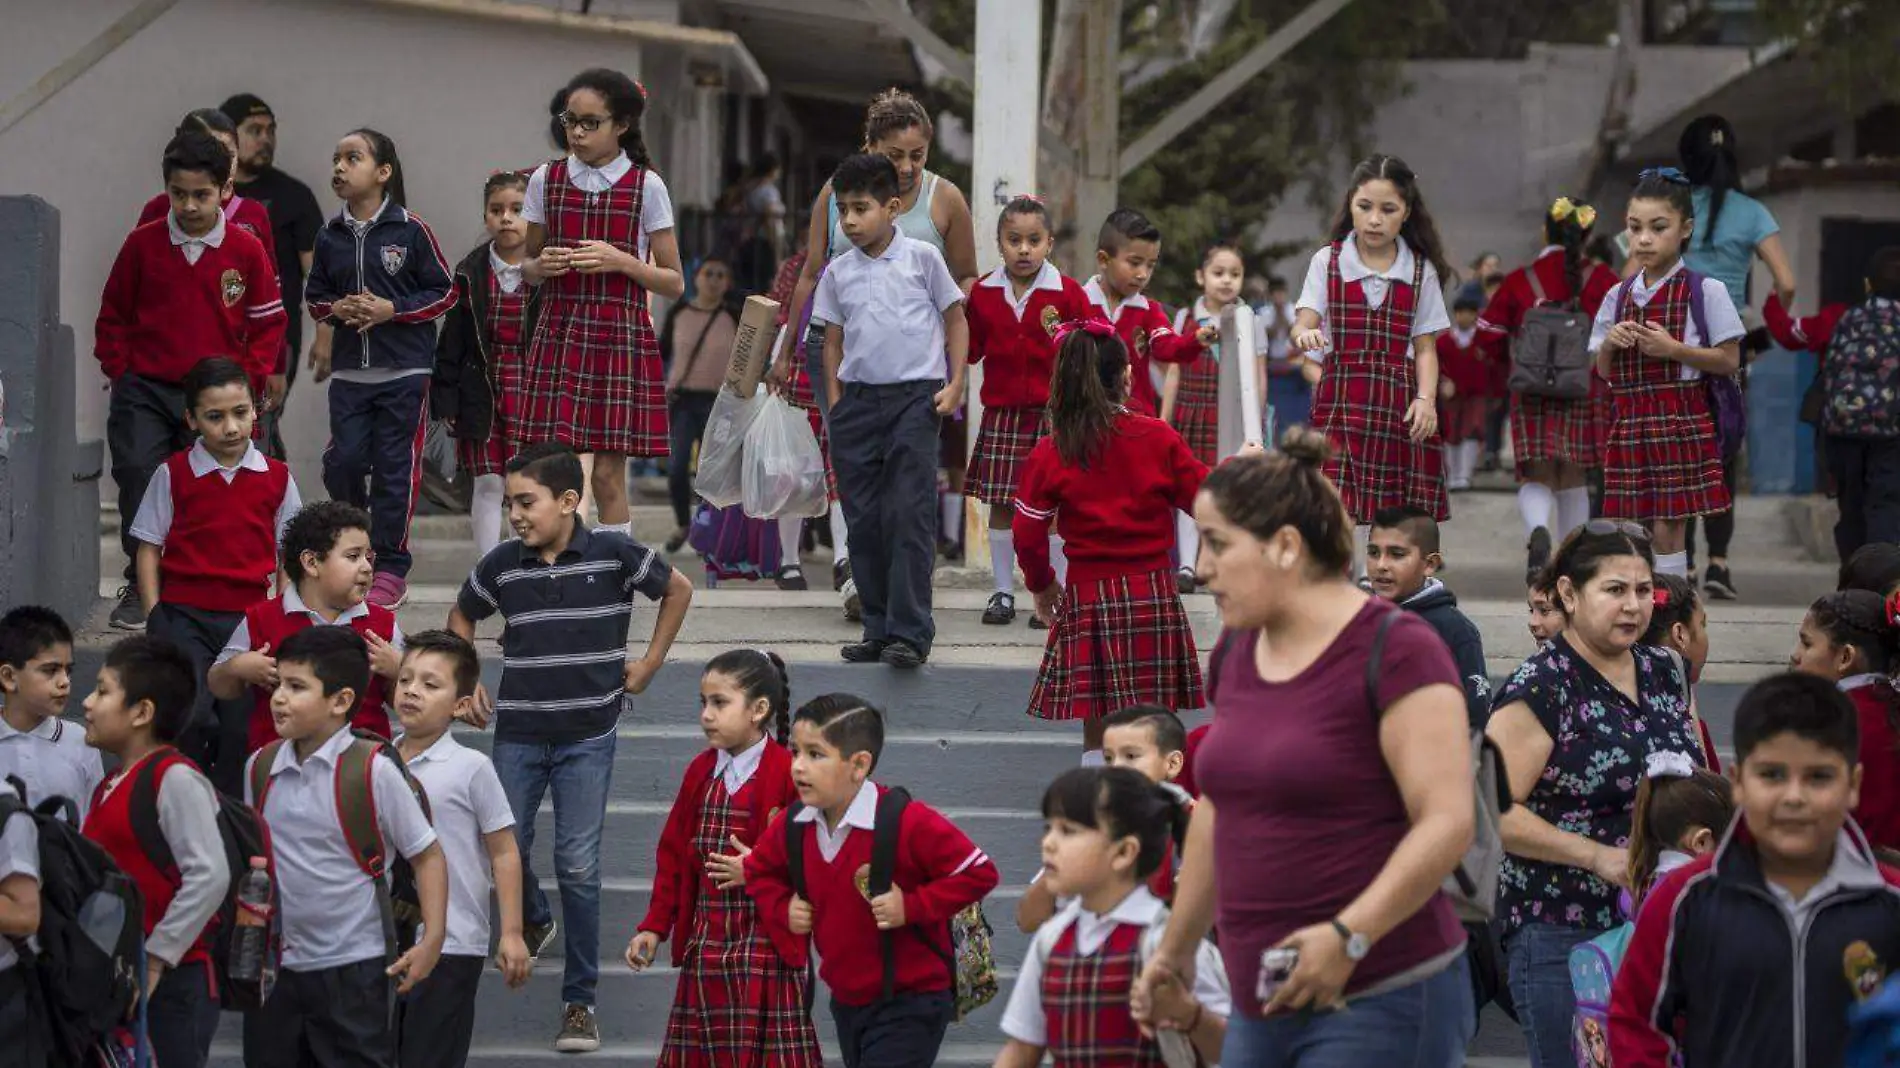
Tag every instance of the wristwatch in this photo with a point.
(1357, 945)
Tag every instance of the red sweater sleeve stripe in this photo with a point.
(438, 294)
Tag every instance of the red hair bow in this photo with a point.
(1094, 326)
(1660, 596)
(1893, 609)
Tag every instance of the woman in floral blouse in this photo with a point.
(1576, 723)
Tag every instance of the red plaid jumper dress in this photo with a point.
(1085, 1001)
(1662, 461)
(1002, 444)
(1361, 399)
(738, 1004)
(1118, 642)
(594, 372)
(504, 328)
(1197, 400)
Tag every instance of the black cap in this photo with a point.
(243, 106)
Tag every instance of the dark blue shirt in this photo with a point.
(564, 649)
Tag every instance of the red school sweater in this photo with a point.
(160, 313)
(1117, 510)
(268, 625)
(221, 550)
(243, 212)
(1143, 326)
(1467, 367)
(939, 870)
(109, 823)
(1876, 704)
(676, 883)
(1019, 354)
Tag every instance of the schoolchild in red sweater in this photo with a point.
(1852, 639)
(137, 710)
(1126, 252)
(893, 1019)
(1015, 312)
(1117, 477)
(1464, 393)
(328, 566)
(246, 214)
(180, 290)
(742, 988)
(208, 531)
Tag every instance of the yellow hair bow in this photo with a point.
(1564, 208)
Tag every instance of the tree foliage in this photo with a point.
(1853, 41)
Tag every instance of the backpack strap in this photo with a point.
(795, 848)
(1376, 657)
(891, 804)
(260, 774)
(1698, 306)
(144, 809)
(356, 807)
(1537, 286)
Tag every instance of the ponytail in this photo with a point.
(383, 151)
(1674, 798)
(1567, 225)
(760, 673)
(1085, 393)
(1707, 151)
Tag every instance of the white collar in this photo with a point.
(501, 266)
(1093, 287)
(1353, 269)
(1140, 908)
(295, 604)
(349, 220)
(1200, 311)
(1855, 682)
(1640, 289)
(862, 812)
(203, 463)
(892, 250)
(1462, 336)
(440, 750)
(613, 170)
(1048, 278)
(44, 730)
(213, 237)
(738, 770)
(327, 753)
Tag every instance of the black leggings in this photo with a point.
(686, 419)
(1720, 527)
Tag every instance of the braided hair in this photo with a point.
(759, 673)
(1865, 621)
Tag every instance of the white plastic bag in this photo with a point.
(722, 448)
(784, 473)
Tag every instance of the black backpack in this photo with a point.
(84, 967)
(244, 834)
(1550, 353)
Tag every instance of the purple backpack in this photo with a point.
(1728, 409)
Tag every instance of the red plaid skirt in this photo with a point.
(1003, 443)
(1360, 404)
(1461, 418)
(1546, 428)
(1118, 642)
(491, 457)
(1662, 462)
(738, 1004)
(1197, 409)
(595, 380)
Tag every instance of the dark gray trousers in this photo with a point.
(884, 448)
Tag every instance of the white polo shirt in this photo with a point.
(1428, 309)
(19, 855)
(154, 519)
(329, 908)
(466, 799)
(1024, 1019)
(891, 308)
(862, 814)
(1723, 320)
(53, 760)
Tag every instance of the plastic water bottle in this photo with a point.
(252, 937)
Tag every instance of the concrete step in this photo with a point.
(957, 1050)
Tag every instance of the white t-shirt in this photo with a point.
(466, 798)
(656, 206)
(19, 855)
(1723, 321)
(1428, 311)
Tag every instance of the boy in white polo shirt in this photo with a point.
(45, 752)
(330, 1007)
(476, 829)
(889, 305)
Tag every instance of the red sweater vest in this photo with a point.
(109, 823)
(1019, 355)
(221, 551)
(160, 314)
(268, 625)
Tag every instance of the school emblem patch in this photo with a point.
(1051, 319)
(863, 880)
(393, 257)
(1863, 969)
(231, 287)
(1141, 342)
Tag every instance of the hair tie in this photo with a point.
(1094, 326)
(1667, 765)
(1660, 596)
(1717, 137)
(1667, 174)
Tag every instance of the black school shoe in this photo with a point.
(1001, 609)
(868, 651)
(1719, 584)
(903, 655)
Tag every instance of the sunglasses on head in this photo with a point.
(1616, 526)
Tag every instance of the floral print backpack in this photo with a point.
(1861, 372)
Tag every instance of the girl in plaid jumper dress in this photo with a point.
(1190, 393)
(1015, 312)
(601, 236)
(1373, 303)
(1662, 465)
(1119, 636)
(1108, 831)
(739, 1004)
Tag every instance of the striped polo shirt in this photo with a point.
(564, 649)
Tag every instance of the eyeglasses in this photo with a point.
(1616, 526)
(1667, 174)
(583, 123)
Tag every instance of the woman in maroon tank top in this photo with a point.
(1340, 811)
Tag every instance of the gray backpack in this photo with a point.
(1550, 354)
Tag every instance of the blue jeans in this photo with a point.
(1425, 1025)
(580, 774)
(1538, 958)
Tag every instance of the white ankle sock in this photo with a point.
(953, 517)
(1092, 758)
(1187, 537)
(840, 537)
(1451, 463)
(1673, 564)
(1468, 459)
(1537, 504)
(1003, 560)
(484, 510)
(1573, 511)
(790, 527)
(1059, 559)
